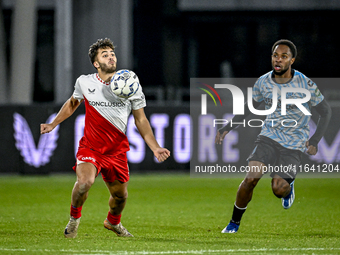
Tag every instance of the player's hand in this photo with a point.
(161, 154)
(311, 149)
(219, 137)
(46, 128)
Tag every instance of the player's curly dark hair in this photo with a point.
(290, 44)
(99, 44)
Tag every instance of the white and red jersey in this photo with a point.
(106, 114)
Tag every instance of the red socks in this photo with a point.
(76, 212)
(113, 219)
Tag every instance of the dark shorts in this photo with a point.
(278, 159)
(111, 167)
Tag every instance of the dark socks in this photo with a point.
(237, 214)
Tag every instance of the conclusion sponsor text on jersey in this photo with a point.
(107, 104)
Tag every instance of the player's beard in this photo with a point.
(107, 69)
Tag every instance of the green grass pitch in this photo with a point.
(169, 214)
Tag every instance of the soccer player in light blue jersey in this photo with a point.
(279, 145)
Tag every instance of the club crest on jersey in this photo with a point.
(91, 91)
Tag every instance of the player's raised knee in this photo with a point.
(280, 187)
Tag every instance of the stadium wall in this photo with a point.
(24, 151)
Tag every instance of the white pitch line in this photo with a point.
(86, 251)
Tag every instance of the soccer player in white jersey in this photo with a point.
(278, 145)
(103, 147)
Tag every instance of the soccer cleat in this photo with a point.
(289, 200)
(71, 228)
(118, 229)
(231, 228)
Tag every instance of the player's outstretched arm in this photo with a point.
(66, 111)
(145, 130)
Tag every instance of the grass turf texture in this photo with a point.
(168, 214)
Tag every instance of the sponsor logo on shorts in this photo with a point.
(88, 158)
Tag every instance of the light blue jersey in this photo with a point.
(290, 130)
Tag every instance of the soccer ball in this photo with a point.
(124, 83)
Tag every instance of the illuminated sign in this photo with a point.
(174, 131)
(182, 143)
(326, 153)
(24, 142)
